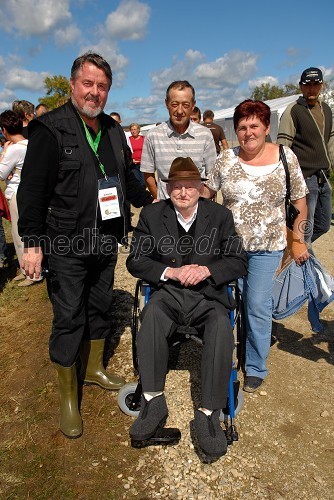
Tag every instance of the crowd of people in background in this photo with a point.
(251, 178)
(14, 128)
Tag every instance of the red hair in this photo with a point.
(249, 108)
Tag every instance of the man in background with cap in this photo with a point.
(307, 128)
(187, 249)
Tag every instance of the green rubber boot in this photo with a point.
(70, 418)
(92, 369)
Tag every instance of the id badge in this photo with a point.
(109, 194)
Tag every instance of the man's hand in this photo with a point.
(189, 275)
(151, 184)
(32, 261)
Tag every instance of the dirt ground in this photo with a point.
(286, 442)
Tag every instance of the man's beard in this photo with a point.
(86, 111)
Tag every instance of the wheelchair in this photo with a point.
(129, 395)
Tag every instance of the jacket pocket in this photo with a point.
(60, 221)
(68, 178)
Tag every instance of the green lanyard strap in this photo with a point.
(94, 144)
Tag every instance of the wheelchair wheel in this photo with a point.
(125, 396)
(238, 405)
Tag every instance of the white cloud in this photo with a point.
(117, 61)
(293, 56)
(129, 21)
(232, 69)
(6, 99)
(29, 17)
(328, 73)
(147, 109)
(183, 69)
(19, 78)
(67, 35)
(228, 71)
(217, 84)
(2, 65)
(13, 60)
(35, 50)
(144, 103)
(272, 80)
(220, 98)
(194, 55)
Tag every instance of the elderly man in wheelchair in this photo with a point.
(186, 248)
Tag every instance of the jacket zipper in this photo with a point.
(321, 135)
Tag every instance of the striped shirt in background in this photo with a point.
(162, 145)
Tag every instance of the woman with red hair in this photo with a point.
(253, 184)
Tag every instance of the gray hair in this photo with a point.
(97, 60)
(134, 125)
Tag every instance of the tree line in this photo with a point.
(57, 89)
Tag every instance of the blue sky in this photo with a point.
(223, 48)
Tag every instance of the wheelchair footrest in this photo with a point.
(165, 436)
(231, 434)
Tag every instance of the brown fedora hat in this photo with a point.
(183, 169)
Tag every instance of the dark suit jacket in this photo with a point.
(156, 245)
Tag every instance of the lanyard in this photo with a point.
(94, 144)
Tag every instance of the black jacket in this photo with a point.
(58, 189)
(156, 245)
(299, 131)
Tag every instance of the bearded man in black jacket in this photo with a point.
(75, 189)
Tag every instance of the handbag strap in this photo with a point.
(286, 168)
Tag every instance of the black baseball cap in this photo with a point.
(311, 75)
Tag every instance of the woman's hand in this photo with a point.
(299, 251)
(207, 192)
(6, 146)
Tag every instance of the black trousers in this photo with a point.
(170, 307)
(80, 289)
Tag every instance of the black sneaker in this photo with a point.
(252, 384)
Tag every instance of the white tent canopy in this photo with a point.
(276, 105)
